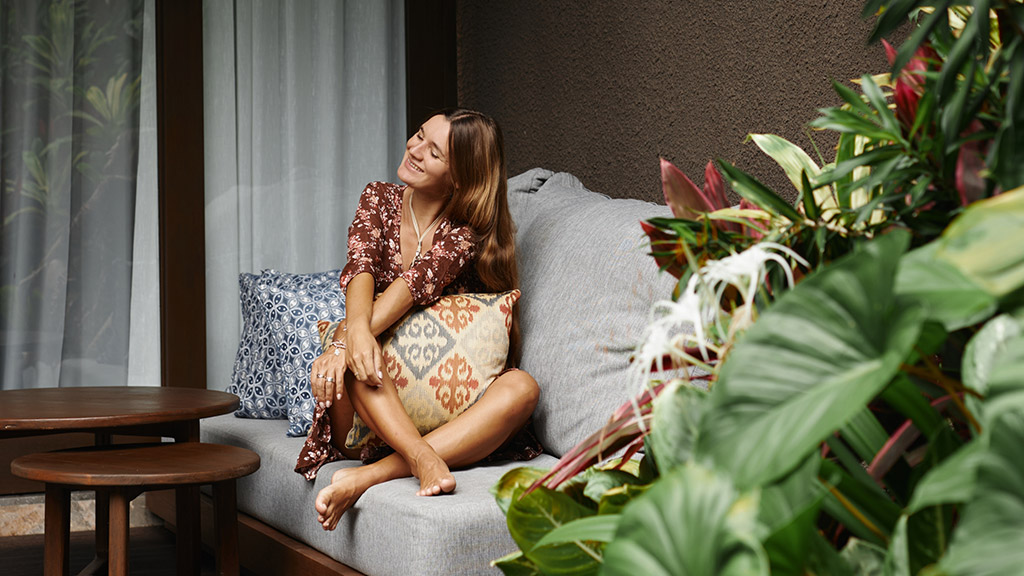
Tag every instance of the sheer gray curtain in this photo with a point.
(78, 267)
(304, 104)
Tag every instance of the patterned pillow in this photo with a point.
(279, 343)
(256, 378)
(441, 358)
(293, 305)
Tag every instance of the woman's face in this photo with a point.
(425, 164)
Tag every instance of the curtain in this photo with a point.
(78, 260)
(304, 104)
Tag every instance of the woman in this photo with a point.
(447, 230)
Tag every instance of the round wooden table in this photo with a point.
(132, 410)
(123, 472)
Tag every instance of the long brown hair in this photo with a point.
(476, 164)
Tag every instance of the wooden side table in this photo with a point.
(124, 472)
(108, 410)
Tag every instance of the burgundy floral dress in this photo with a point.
(374, 247)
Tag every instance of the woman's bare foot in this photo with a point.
(435, 477)
(346, 486)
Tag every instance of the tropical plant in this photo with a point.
(859, 408)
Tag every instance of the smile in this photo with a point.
(413, 166)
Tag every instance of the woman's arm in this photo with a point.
(367, 320)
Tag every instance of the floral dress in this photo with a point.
(374, 247)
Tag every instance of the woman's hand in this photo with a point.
(327, 379)
(365, 358)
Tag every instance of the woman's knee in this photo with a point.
(522, 387)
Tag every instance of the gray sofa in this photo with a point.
(587, 285)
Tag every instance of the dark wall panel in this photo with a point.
(602, 89)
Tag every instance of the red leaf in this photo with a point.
(681, 194)
(969, 164)
(666, 250)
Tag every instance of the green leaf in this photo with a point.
(756, 192)
(986, 243)
(881, 105)
(517, 478)
(950, 482)
(691, 522)
(601, 481)
(948, 296)
(905, 398)
(983, 349)
(864, 558)
(810, 363)
(793, 160)
(515, 564)
(615, 500)
(897, 558)
(989, 536)
(789, 509)
(675, 424)
(531, 516)
(590, 528)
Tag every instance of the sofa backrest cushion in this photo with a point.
(588, 284)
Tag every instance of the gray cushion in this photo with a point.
(390, 531)
(588, 284)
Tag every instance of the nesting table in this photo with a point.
(132, 410)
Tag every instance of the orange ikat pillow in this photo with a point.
(441, 357)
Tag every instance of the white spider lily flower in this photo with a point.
(685, 323)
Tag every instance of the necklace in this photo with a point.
(416, 228)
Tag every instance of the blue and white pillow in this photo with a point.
(293, 307)
(257, 378)
(280, 341)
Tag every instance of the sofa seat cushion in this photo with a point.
(390, 531)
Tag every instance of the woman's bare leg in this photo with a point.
(470, 437)
(382, 410)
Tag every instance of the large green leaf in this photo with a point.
(593, 528)
(691, 522)
(986, 243)
(811, 362)
(948, 296)
(982, 351)
(531, 516)
(674, 427)
(989, 537)
(789, 510)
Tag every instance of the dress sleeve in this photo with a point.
(365, 238)
(441, 265)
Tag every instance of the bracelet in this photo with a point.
(338, 347)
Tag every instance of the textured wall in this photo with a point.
(602, 89)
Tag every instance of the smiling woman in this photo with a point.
(459, 238)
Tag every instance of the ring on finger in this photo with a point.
(319, 375)
(330, 379)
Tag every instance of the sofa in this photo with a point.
(587, 286)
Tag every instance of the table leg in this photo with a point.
(57, 513)
(186, 503)
(102, 515)
(225, 524)
(120, 500)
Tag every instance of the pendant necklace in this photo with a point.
(416, 227)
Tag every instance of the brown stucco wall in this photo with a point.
(601, 89)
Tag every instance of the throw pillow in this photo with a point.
(279, 342)
(441, 358)
(256, 378)
(293, 305)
